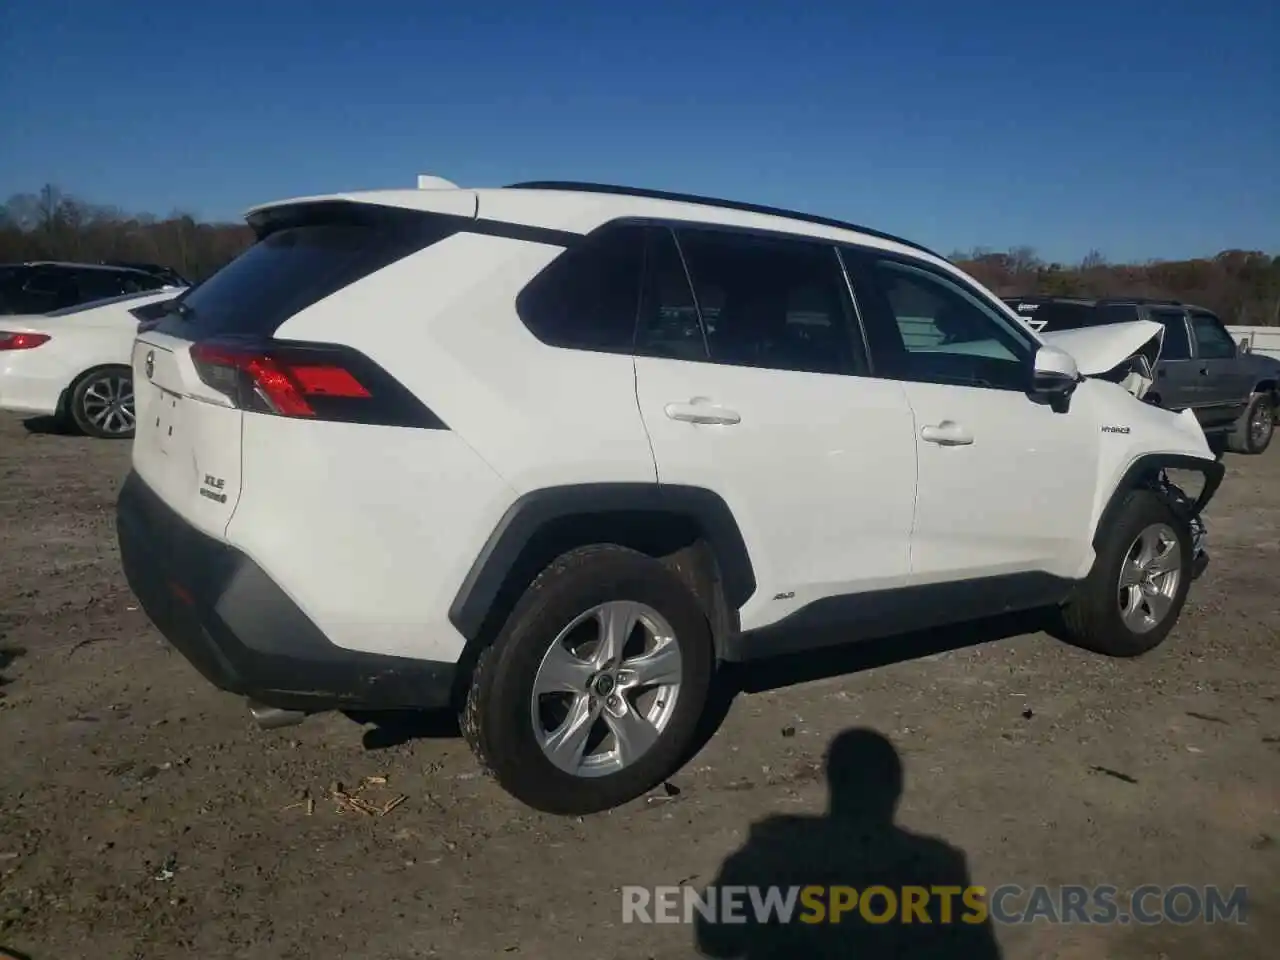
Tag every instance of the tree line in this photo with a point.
(1241, 286)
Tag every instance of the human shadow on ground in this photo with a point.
(855, 846)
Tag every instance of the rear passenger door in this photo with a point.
(752, 384)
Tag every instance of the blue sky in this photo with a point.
(1142, 129)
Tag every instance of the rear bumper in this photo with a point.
(243, 633)
(29, 396)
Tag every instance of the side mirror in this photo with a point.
(1054, 377)
(1245, 346)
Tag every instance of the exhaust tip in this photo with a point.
(273, 718)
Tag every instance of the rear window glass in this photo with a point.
(294, 267)
(160, 306)
(1067, 316)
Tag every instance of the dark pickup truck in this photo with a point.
(1233, 393)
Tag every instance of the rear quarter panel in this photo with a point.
(444, 323)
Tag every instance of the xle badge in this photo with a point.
(212, 488)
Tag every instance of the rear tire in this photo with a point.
(1109, 618)
(506, 725)
(1252, 432)
(101, 404)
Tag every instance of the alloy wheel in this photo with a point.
(1149, 578)
(606, 688)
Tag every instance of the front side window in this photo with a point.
(587, 298)
(925, 327)
(1212, 339)
(771, 302)
(1176, 345)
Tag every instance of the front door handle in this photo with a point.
(948, 433)
(701, 410)
(1204, 371)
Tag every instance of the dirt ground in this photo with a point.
(141, 815)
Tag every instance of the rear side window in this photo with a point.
(103, 284)
(771, 302)
(296, 266)
(1176, 345)
(668, 326)
(587, 298)
(1068, 316)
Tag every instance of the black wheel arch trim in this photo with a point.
(534, 510)
(1148, 466)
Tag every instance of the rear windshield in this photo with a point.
(292, 268)
(1067, 316)
(107, 301)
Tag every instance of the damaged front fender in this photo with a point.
(1124, 353)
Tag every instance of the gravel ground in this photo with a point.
(141, 815)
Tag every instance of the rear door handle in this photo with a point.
(948, 433)
(701, 410)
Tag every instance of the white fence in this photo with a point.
(1264, 340)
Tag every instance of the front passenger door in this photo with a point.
(1225, 390)
(1005, 485)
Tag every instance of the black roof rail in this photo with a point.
(576, 186)
(1146, 301)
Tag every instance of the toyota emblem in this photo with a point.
(150, 364)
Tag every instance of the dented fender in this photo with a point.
(1124, 353)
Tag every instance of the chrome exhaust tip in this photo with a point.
(273, 718)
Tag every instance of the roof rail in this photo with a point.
(615, 190)
(1153, 301)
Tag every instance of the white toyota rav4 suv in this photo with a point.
(547, 454)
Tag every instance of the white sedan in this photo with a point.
(73, 364)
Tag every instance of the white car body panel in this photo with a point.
(981, 507)
(819, 516)
(91, 335)
(1101, 348)
(828, 477)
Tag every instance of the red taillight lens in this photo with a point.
(22, 341)
(315, 381)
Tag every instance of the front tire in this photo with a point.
(101, 404)
(592, 692)
(1139, 581)
(1252, 432)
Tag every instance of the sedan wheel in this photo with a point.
(102, 404)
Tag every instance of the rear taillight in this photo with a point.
(309, 381)
(21, 341)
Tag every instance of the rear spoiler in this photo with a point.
(149, 314)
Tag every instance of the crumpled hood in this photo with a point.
(1125, 353)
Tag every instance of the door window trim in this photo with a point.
(1187, 333)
